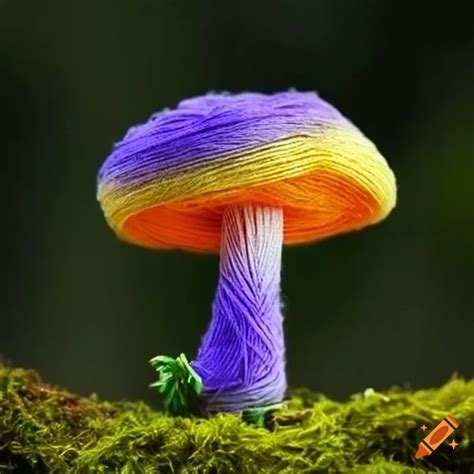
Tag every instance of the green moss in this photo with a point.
(47, 429)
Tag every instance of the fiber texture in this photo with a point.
(46, 429)
(241, 360)
(167, 183)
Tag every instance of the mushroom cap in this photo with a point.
(167, 183)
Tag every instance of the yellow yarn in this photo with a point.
(343, 152)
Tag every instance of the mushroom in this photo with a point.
(241, 175)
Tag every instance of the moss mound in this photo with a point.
(47, 429)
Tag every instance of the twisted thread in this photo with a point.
(241, 360)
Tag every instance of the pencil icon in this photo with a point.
(431, 442)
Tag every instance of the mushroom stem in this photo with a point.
(242, 357)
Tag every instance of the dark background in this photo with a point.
(393, 304)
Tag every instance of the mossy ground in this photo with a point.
(47, 429)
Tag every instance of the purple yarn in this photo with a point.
(212, 128)
(241, 360)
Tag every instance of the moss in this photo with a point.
(47, 429)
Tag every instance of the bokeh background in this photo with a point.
(393, 304)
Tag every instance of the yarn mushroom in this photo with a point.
(240, 175)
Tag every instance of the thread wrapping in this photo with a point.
(242, 360)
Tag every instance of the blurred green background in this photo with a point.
(393, 304)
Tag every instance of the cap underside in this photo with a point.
(315, 206)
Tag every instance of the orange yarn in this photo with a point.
(316, 205)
